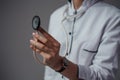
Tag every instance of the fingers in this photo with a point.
(49, 37)
(45, 45)
(46, 41)
(37, 47)
(45, 56)
(40, 38)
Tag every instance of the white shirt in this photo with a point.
(96, 40)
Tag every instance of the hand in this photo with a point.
(48, 48)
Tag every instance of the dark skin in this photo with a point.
(49, 48)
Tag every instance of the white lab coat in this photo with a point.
(96, 41)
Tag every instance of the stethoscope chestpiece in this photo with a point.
(36, 25)
(36, 22)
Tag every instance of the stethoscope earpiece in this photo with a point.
(36, 22)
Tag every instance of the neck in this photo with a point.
(77, 3)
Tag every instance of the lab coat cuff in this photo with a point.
(84, 72)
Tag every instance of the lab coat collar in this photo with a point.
(83, 8)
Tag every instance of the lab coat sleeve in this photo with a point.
(105, 63)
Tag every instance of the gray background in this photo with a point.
(16, 61)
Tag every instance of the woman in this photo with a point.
(90, 29)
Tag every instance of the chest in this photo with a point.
(87, 35)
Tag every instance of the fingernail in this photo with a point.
(31, 40)
(33, 33)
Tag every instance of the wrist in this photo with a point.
(63, 66)
(58, 64)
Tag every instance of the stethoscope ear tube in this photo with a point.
(36, 22)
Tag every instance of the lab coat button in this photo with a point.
(70, 33)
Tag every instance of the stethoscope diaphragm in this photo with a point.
(36, 22)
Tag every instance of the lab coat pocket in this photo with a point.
(91, 49)
(87, 54)
(92, 46)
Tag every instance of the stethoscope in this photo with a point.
(36, 24)
(68, 17)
